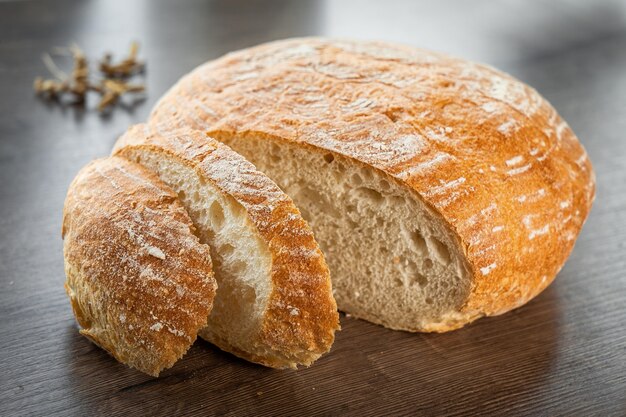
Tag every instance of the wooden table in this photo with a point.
(562, 354)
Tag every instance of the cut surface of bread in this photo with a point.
(388, 145)
(140, 283)
(274, 303)
(369, 226)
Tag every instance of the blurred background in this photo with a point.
(562, 354)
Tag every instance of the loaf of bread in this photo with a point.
(440, 190)
(274, 302)
(140, 283)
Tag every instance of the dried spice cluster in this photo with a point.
(111, 86)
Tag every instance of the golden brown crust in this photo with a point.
(486, 151)
(302, 317)
(140, 283)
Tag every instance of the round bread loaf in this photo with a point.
(440, 190)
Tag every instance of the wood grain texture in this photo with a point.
(562, 354)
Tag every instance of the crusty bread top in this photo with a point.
(301, 316)
(486, 151)
(140, 283)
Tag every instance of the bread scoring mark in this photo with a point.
(534, 232)
(517, 171)
(559, 129)
(424, 166)
(491, 107)
(570, 235)
(482, 213)
(377, 148)
(536, 196)
(246, 76)
(582, 159)
(514, 161)
(445, 186)
(113, 183)
(491, 207)
(143, 182)
(156, 252)
(487, 269)
(538, 232)
(358, 104)
(507, 127)
(438, 134)
(527, 220)
(485, 250)
(177, 332)
(206, 109)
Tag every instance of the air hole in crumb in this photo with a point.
(419, 279)
(274, 149)
(370, 194)
(398, 282)
(384, 185)
(275, 159)
(429, 300)
(428, 264)
(227, 250)
(439, 250)
(329, 158)
(217, 215)
(181, 195)
(248, 295)
(239, 267)
(380, 222)
(410, 265)
(356, 179)
(418, 241)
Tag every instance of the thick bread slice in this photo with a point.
(440, 190)
(139, 281)
(274, 305)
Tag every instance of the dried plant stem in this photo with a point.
(78, 83)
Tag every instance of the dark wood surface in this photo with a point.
(564, 353)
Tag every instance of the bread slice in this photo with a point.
(140, 283)
(439, 189)
(274, 303)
